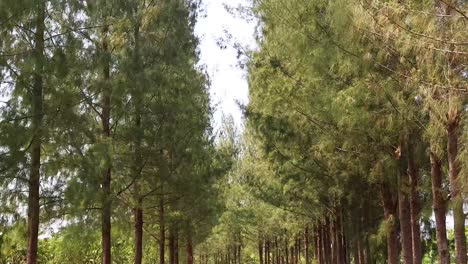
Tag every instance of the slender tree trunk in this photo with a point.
(346, 249)
(316, 245)
(171, 245)
(189, 250)
(277, 252)
(440, 209)
(326, 232)
(234, 252)
(339, 238)
(239, 248)
(404, 206)
(162, 231)
(361, 251)
(260, 251)
(356, 252)
(286, 249)
(267, 251)
(321, 244)
(405, 223)
(414, 205)
(299, 249)
(334, 241)
(390, 217)
(306, 245)
(106, 178)
(273, 253)
(454, 169)
(136, 96)
(176, 246)
(291, 255)
(37, 112)
(138, 234)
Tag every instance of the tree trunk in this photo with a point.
(171, 246)
(405, 222)
(162, 231)
(136, 96)
(414, 205)
(339, 238)
(267, 252)
(106, 178)
(440, 209)
(316, 245)
(273, 253)
(356, 252)
(260, 251)
(320, 243)
(389, 205)
(299, 249)
(138, 234)
(362, 252)
(239, 248)
(334, 240)
(234, 252)
(454, 169)
(306, 245)
(189, 250)
(176, 247)
(327, 242)
(404, 205)
(291, 253)
(37, 113)
(286, 250)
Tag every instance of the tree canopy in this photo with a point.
(354, 148)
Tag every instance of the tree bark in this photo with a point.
(339, 238)
(356, 252)
(316, 245)
(189, 250)
(361, 252)
(162, 231)
(306, 245)
(171, 245)
(136, 96)
(454, 169)
(389, 205)
(323, 258)
(414, 205)
(37, 113)
(291, 255)
(321, 245)
(404, 205)
(176, 247)
(138, 234)
(260, 251)
(334, 240)
(405, 223)
(327, 241)
(440, 209)
(106, 129)
(239, 248)
(267, 252)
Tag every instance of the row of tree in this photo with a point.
(106, 148)
(354, 149)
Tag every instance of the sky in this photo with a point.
(228, 81)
